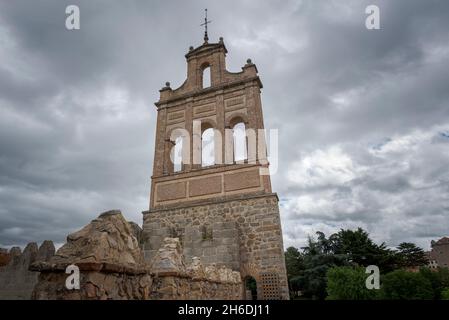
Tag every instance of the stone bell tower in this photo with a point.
(223, 212)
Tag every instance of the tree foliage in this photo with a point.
(348, 283)
(445, 294)
(317, 258)
(293, 262)
(308, 268)
(439, 280)
(409, 255)
(362, 251)
(404, 285)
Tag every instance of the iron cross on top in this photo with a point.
(206, 22)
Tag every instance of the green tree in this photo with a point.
(348, 283)
(295, 265)
(404, 285)
(317, 259)
(361, 250)
(410, 255)
(443, 277)
(307, 268)
(293, 262)
(439, 280)
(445, 294)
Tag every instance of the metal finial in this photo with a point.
(206, 22)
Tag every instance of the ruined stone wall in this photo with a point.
(180, 288)
(111, 266)
(16, 281)
(136, 231)
(173, 280)
(246, 237)
(97, 282)
(106, 282)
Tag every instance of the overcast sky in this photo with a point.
(363, 115)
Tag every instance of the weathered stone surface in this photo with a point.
(212, 273)
(109, 258)
(181, 288)
(107, 239)
(15, 251)
(136, 231)
(200, 282)
(241, 234)
(225, 274)
(196, 269)
(214, 241)
(236, 278)
(46, 251)
(169, 259)
(112, 267)
(94, 286)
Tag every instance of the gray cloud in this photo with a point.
(362, 115)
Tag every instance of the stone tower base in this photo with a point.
(242, 233)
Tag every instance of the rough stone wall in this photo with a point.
(97, 282)
(173, 280)
(179, 288)
(214, 241)
(136, 231)
(16, 281)
(111, 266)
(107, 284)
(109, 258)
(254, 220)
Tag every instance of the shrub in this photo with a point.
(348, 283)
(445, 294)
(406, 285)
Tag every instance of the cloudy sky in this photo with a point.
(363, 115)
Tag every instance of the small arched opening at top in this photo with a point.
(206, 76)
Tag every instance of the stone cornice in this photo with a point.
(218, 200)
(208, 90)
